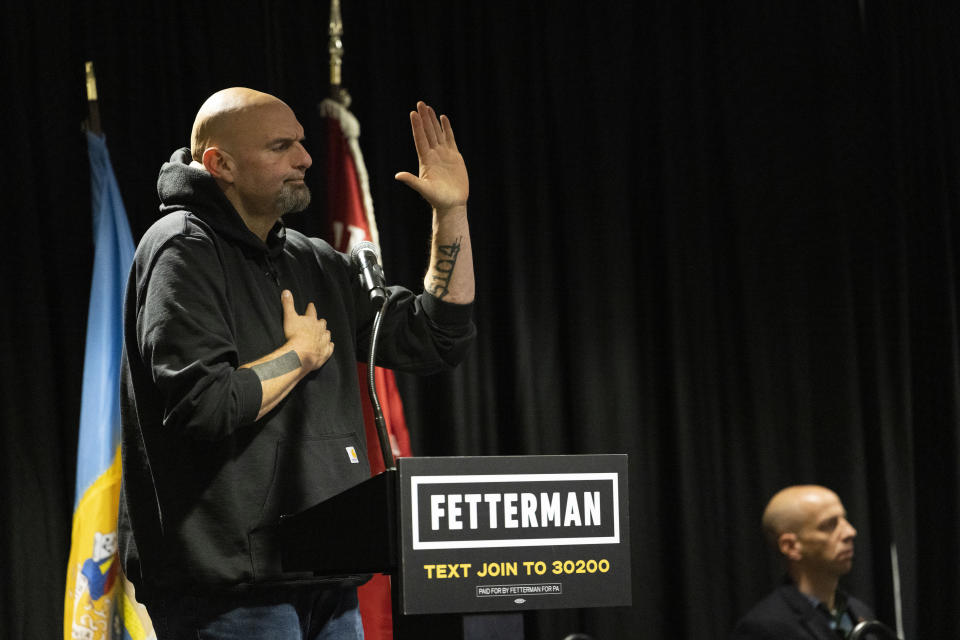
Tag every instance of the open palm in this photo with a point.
(443, 178)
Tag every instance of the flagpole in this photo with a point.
(92, 123)
(337, 92)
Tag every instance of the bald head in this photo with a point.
(251, 144)
(808, 525)
(224, 115)
(791, 508)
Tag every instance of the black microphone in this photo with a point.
(366, 260)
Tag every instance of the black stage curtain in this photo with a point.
(721, 239)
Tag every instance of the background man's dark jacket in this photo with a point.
(787, 614)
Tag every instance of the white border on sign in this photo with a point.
(416, 481)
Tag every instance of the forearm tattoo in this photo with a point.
(442, 270)
(275, 368)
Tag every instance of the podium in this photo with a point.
(463, 537)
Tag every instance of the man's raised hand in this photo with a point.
(443, 178)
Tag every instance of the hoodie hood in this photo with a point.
(185, 187)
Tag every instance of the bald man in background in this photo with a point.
(240, 399)
(808, 526)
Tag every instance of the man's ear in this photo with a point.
(789, 546)
(219, 164)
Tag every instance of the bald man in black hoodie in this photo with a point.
(239, 386)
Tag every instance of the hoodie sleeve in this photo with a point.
(187, 341)
(420, 333)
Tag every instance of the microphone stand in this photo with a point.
(385, 449)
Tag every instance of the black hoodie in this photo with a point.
(204, 482)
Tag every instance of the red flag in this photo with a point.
(350, 210)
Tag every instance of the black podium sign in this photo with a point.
(509, 533)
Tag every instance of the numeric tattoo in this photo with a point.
(442, 270)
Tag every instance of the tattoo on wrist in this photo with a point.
(275, 368)
(442, 270)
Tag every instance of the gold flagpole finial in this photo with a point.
(91, 82)
(337, 92)
(93, 120)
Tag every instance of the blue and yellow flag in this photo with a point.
(98, 603)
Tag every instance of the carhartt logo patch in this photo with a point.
(352, 453)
